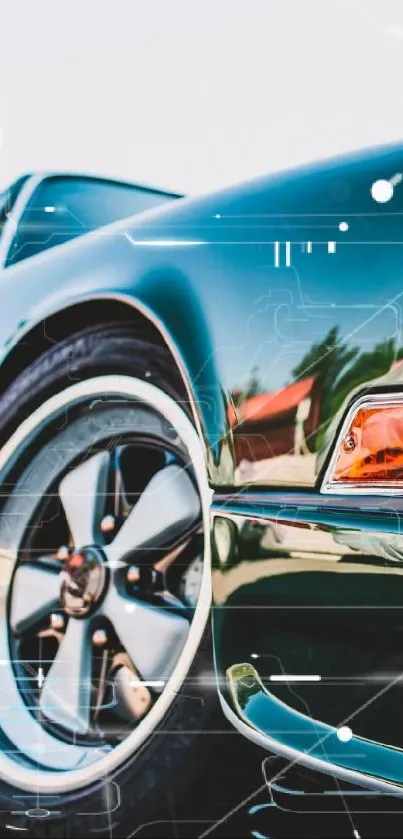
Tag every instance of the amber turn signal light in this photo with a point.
(369, 450)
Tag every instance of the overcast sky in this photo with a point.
(195, 94)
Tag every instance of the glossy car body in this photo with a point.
(293, 278)
(41, 210)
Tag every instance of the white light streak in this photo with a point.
(164, 243)
(293, 677)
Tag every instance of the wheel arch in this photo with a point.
(62, 323)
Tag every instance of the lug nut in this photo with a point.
(133, 574)
(108, 524)
(148, 579)
(99, 638)
(57, 621)
(63, 553)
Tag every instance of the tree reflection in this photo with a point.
(331, 369)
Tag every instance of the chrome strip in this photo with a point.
(361, 512)
(294, 756)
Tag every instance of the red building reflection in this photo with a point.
(271, 424)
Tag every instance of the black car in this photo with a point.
(201, 423)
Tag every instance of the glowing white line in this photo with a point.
(293, 678)
(276, 254)
(152, 684)
(288, 254)
(163, 243)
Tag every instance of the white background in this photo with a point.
(195, 94)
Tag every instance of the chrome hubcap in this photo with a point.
(83, 581)
(96, 583)
(99, 623)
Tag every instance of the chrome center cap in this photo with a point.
(83, 580)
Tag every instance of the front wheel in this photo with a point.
(105, 594)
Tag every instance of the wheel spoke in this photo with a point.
(66, 692)
(36, 591)
(168, 507)
(152, 636)
(82, 493)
